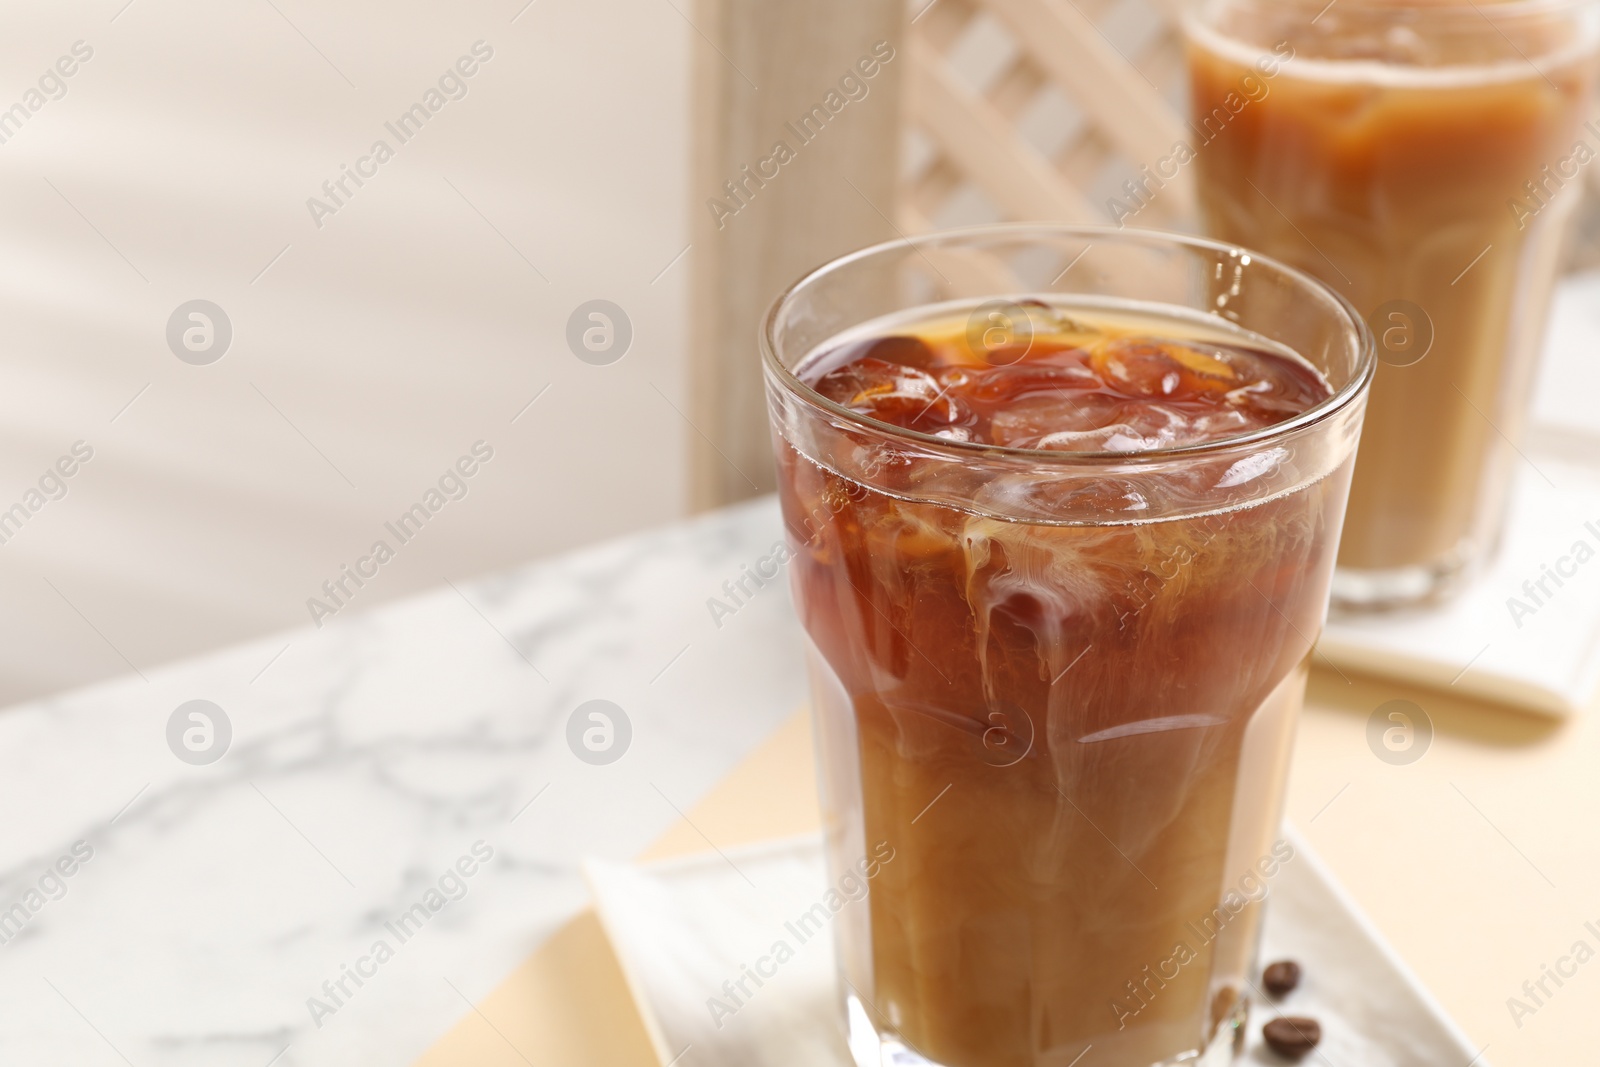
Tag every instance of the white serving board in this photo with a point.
(682, 927)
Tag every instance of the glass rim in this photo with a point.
(1325, 409)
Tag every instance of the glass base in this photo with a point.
(1360, 592)
(871, 1047)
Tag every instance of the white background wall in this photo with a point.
(177, 166)
(379, 346)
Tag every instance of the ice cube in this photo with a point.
(1145, 368)
(1092, 422)
(897, 394)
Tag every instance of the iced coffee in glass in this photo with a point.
(1423, 160)
(1064, 506)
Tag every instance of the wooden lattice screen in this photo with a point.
(992, 110)
(1077, 97)
(1045, 108)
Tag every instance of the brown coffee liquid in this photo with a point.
(1074, 737)
(1388, 165)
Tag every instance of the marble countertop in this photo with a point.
(403, 796)
(397, 814)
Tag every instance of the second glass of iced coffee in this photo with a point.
(1063, 506)
(1423, 159)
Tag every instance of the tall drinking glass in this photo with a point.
(1423, 160)
(1055, 690)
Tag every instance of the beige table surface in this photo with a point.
(1480, 862)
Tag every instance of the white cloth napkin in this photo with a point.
(1504, 638)
(683, 927)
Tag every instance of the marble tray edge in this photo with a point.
(593, 877)
(1375, 937)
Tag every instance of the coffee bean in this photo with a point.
(1281, 977)
(1292, 1036)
